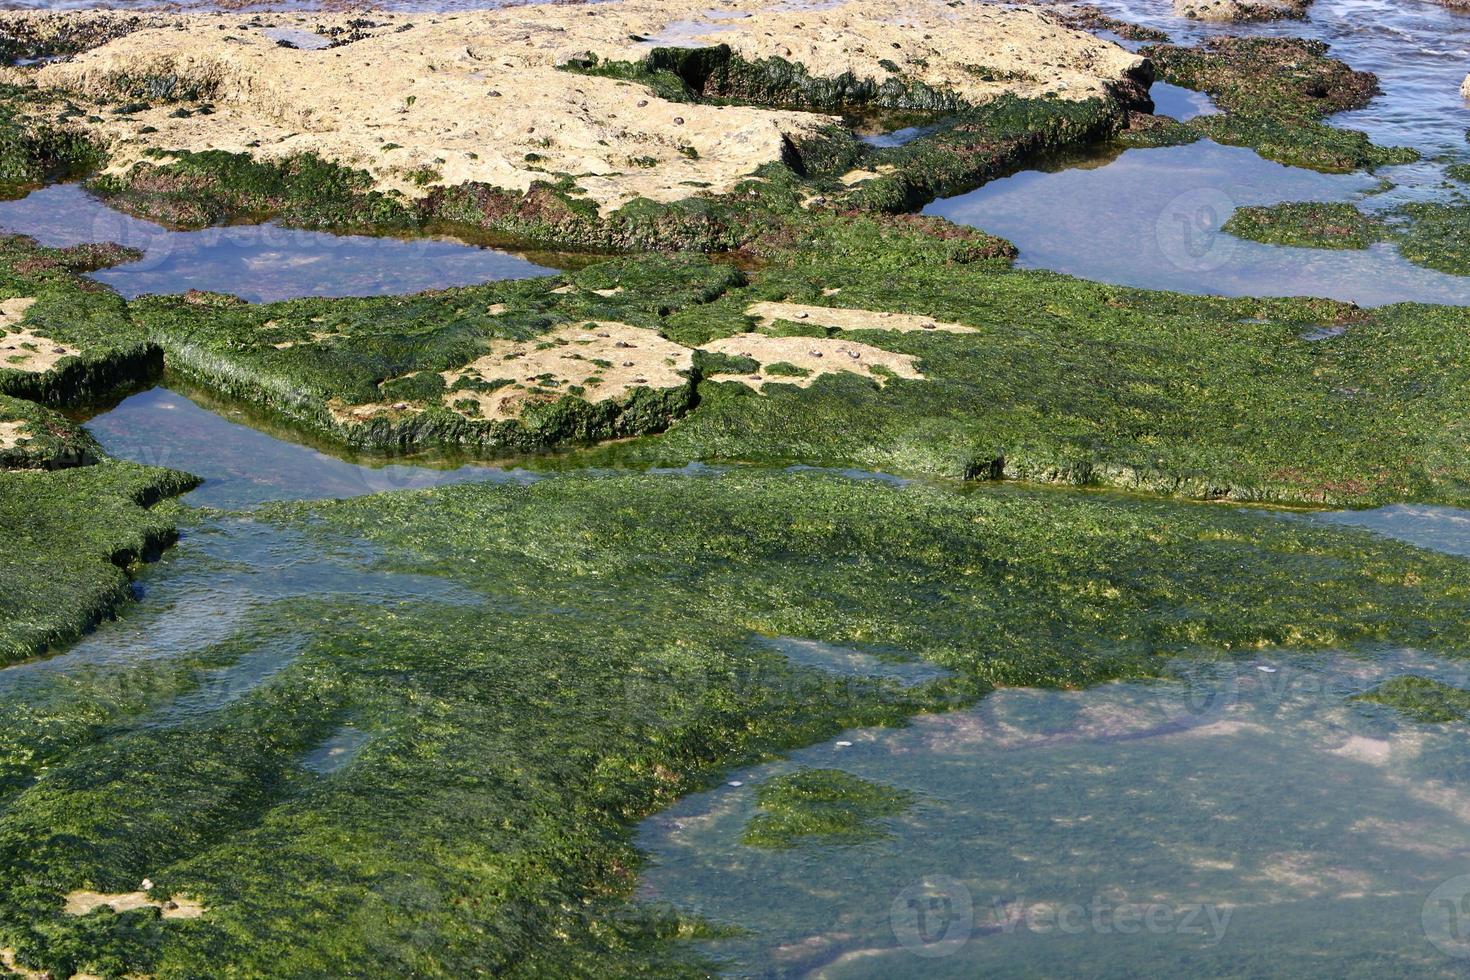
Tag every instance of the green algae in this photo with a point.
(1421, 699)
(821, 806)
(302, 359)
(193, 190)
(45, 440)
(1306, 225)
(70, 537)
(1274, 93)
(78, 312)
(1088, 384)
(485, 823)
(1435, 235)
(1430, 234)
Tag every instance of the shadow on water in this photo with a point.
(259, 263)
(1153, 218)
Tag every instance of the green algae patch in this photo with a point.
(1306, 225)
(193, 190)
(64, 339)
(1434, 235)
(519, 729)
(70, 537)
(513, 366)
(1081, 383)
(823, 806)
(1430, 234)
(34, 438)
(1275, 94)
(1421, 699)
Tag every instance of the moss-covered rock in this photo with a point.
(824, 806)
(1307, 225)
(66, 339)
(35, 438)
(1274, 93)
(314, 361)
(69, 539)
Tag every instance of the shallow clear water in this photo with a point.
(1152, 218)
(223, 571)
(259, 263)
(242, 466)
(1443, 529)
(1235, 822)
(849, 662)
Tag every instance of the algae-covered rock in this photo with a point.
(1307, 225)
(517, 724)
(68, 539)
(1274, 93)
(32, 437)
(66, 339)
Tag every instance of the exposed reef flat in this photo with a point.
(439, 100)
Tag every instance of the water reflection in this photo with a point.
(1181, 103)
(260, 263)
(1236, 820)
(1152, 218)
(243, 466)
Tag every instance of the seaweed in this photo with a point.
(821, 806)
(1307, 225)
(1421, 699)
(486, 824)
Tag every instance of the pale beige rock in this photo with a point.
(81, 902)
(1241, 11)
(845, 319)
(815, 355)
(468, 96)
(632, 357)
(11, 434)
(22, 349)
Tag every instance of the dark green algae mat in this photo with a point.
(600, 656)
